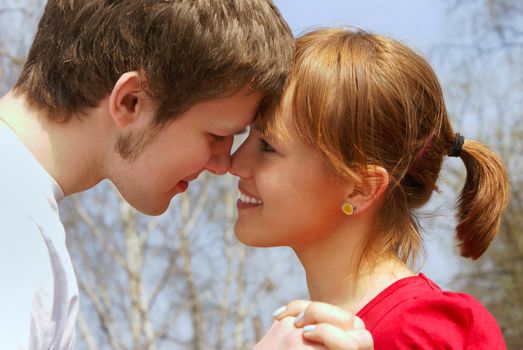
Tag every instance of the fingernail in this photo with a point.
(299, 318)
(309, 328)
(279, 311)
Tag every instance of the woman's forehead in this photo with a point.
(278, 120)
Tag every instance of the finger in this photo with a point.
(284, 336)
(358, 323)
(317, 312)
(333, 338)
(287, 322)
(294, 308)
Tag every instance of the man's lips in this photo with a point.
(182, 186)
(192, 177)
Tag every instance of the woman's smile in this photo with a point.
(247, 200)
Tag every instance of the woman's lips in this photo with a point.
(247, 200)
(242, 205)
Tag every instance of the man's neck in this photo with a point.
(70, 152)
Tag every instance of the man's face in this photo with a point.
(197, 140)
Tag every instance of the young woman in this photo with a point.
(336, 171)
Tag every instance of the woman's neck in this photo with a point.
(335, 276)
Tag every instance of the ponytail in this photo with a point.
(381, 104)
(482, 200)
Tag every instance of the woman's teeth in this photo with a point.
(250, 200)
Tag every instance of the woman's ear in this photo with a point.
(369, 190)
(128, 100)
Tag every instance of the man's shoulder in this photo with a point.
(26, 276)
(21, 240)
(24, 253)
(16, 219)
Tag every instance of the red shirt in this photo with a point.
(414, 313)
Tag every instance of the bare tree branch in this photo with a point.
(85, 332)
(93, 228)
(228, 243)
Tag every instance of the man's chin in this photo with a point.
(156, 209)
(155, 212)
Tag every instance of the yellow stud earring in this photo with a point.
(348, 209)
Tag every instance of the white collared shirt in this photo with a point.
(38, 288)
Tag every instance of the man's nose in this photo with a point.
(220, 161)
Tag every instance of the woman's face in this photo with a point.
(288, 195)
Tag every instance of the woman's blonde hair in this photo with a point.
(363, 99)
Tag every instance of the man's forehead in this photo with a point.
(242, 113)
(230, 127)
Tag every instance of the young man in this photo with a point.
(145, 93)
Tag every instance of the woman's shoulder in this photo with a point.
(415, 313)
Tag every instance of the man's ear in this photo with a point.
(368, 192)
(128, 100)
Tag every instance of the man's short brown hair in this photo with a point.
(187, 51)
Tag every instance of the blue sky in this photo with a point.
(417, 22)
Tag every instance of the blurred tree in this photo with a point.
(17, 29)
(178, 281)
(483, 78)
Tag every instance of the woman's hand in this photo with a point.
(283, 335)
(328, 325)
